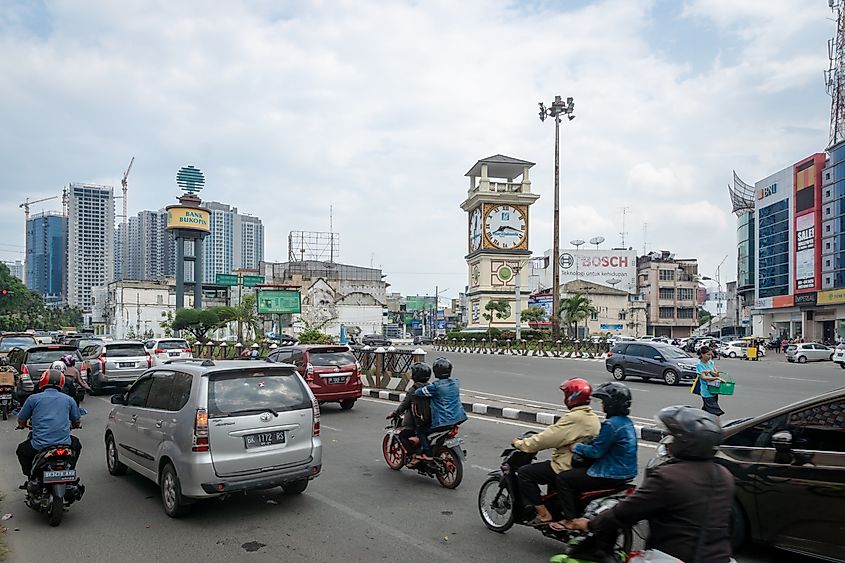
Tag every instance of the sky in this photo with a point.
(377, 109)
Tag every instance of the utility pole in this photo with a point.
(557, 108)
(623, 233)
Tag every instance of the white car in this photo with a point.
(839, 355)
(734, 349)
(164, 349)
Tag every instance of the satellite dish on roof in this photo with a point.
(597, 241)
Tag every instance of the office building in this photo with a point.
(16, 268)
(90, 241)
(236, 241)
(669, 288)
(46, 249)
(152, 251)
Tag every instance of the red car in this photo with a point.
(332, 372)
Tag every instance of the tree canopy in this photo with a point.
(22, 308)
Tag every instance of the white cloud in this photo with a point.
(379, 109)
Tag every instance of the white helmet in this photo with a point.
(58, 365)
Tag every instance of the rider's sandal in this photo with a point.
(561, 526)
(537, 523)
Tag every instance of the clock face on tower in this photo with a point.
(475, 229)
(505, 226)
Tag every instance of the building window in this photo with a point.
(594, 316)
(686, 313)
(685, 294)
(623, 315)
(667, 275)
(667, 312)
(667, 293)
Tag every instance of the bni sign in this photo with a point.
(763, 193)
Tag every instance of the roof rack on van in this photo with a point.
(204, 362)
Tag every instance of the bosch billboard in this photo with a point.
(611, 268)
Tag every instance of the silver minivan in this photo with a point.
(203, 428)
(116, 363)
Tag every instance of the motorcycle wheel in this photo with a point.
(394, 455)
(454, 474)
(499, 518)
(57, 510)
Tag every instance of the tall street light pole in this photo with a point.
(557, 108)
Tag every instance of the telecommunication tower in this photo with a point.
(835, 75)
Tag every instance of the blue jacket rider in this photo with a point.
(52, 413)
(445, 394)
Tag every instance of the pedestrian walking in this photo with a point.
(708, 375)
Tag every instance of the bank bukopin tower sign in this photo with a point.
(190, 224)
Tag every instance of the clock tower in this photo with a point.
(497, 207)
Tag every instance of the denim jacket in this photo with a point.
(614, 449)
(446, 407)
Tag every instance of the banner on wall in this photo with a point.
(805, 252)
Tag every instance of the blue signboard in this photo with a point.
(415, 323)
(543, 301)
(441, 325)
(610, 327)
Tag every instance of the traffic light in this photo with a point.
(5, 292)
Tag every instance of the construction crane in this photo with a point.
(25, 205)
(124, 234)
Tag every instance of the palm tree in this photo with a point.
(246, 315)
(574, 309)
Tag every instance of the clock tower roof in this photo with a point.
(500, 166)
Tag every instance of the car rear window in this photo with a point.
(48, 356)
(125, 350)
(172, 344)
(6, 344)
(331, 357)
(254, 390)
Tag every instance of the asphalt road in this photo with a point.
(761, 386)
(357, 510)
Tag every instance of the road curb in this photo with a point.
(647, 433)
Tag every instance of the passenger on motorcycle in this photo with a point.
(579, 424)
(52, 414)
(686, 500)
(446, 407)
(415, 411)
(72, 373)
(611, 456)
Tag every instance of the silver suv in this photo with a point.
(115, 363)
(202, 428)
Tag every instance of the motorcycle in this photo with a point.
(447, 463)
(500, 504)
(7, 400)
(53, 484)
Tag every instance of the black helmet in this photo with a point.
(615, 398)
(695, 433)
(442, 368)
(420, 372)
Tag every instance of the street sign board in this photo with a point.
(225, 279)
(279, 301)
(252, 281)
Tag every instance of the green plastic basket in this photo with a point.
(724, 388)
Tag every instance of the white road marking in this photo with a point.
(428, 547)
(482, 468)
(799, 379)
(327, 427)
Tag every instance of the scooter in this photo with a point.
(447, 463)
(500, 504)
(53, 483)
(7, 400)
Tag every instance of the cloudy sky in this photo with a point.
(378, 108)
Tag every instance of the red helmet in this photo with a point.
(576, 392)
(52, 377)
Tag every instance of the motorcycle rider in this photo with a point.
(613, 453)
(686, 500)
(72, 373)
(446, 407)
(52, 415)
(415, 411)
(579, 424)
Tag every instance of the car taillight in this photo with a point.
(201, 431)
(609, 354)
(160, 350)
(309, 373)
(315, 409)
(102, 359)
(149, 360)
(189, 350)
(24, 370)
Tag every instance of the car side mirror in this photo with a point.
(118, 399)
(659, 358)
(782, 441)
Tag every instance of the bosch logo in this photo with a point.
(566, 261)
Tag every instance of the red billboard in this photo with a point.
(807, 182)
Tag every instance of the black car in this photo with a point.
(789, 467)
(375, 340)
(650, 361)
(422, 340)
(31, 362)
